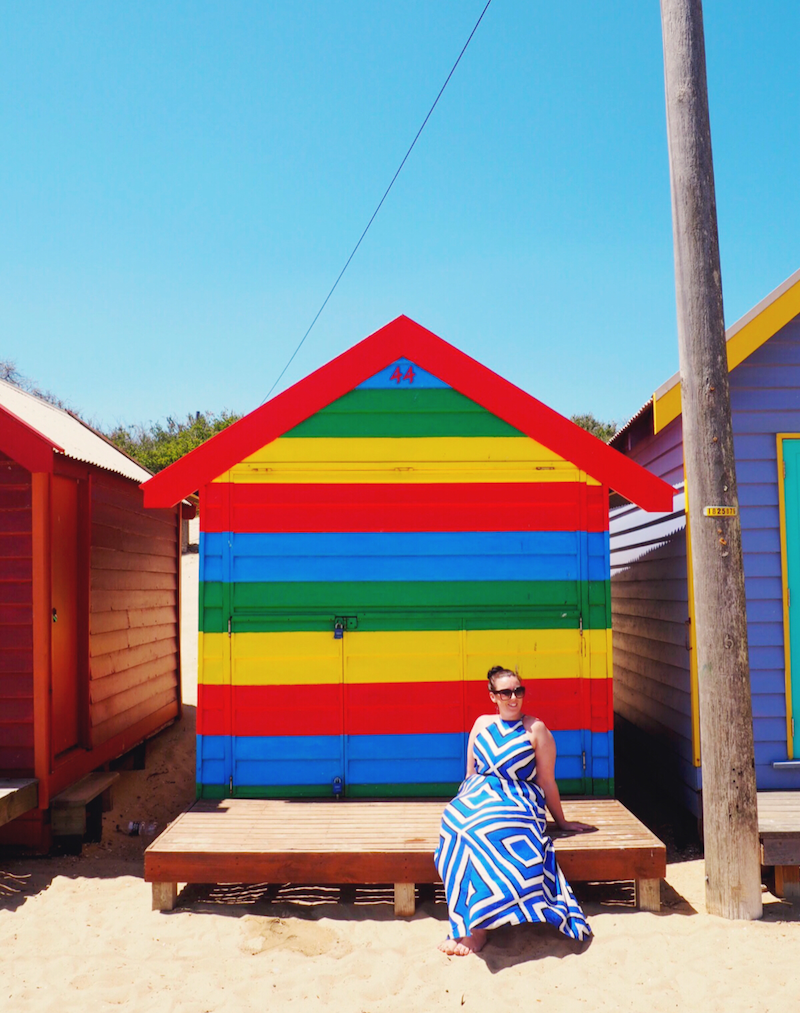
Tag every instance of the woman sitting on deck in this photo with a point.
(496, 862)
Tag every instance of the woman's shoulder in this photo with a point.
(482, 721)
(535, 726)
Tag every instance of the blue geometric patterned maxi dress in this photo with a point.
(496, 862)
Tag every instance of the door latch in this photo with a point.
(342, 623)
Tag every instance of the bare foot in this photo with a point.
(464, 945)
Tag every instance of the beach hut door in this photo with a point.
(286, 713)
(66, 697)
(791, 489)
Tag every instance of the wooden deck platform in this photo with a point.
(18, 795)
(268, 841)
(779, 833)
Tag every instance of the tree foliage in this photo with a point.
(10, 373)
(155, 445)
(602, 430)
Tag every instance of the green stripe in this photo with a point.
(397, 413)
(283, 791)
(445, 791)
(405, 605)
(212, 791)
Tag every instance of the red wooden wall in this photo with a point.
(126, 651)
(135, 611)
(16, 637)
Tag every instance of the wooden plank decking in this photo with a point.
(779, 834)
(269, 841)
(18, 795)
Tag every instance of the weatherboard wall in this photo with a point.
(134, 661)
(651, 622)
(122, 665)
(16, 603)
(442, 541)
(765, 401)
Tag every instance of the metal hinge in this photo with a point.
(580, 622)
(784, 468)
(788, 598)
(583, 760)
(230, 783)
(229, 625)
(792, 727)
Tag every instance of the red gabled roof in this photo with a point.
(403, 338)
(24, 444)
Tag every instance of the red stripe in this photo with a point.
(390, 708)
(502, 506)
(213, 710)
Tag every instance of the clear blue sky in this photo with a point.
(181, 182)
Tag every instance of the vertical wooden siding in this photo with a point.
(16, 639)
(650, 610)
(133, 641)
(765, 399)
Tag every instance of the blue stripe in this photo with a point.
(284, 760)
(600, 755)
(383, 379)
(419, 556)
(213, 759)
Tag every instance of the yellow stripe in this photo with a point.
(398, 656)
(739, 346)
(787, 647)
(428, 459)
(403, 656)
(536, 654)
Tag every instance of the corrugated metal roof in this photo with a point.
(617, 437)
(79, 441)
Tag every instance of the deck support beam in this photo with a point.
(648, 894)
(787, 882)
(165, 896)
(404, 899)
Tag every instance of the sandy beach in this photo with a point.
(77, 933)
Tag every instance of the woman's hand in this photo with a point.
(578, 828)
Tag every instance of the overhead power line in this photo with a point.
(380, 203)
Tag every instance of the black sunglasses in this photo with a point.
(506, 694)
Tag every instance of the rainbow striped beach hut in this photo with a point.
(374, 539)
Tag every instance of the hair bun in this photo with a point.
(495, 670)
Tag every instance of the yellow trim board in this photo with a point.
(666, 408)
(787, 652)
(742, 339)
(293, 658)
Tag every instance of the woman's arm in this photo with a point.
(545, 747)
(480, 722)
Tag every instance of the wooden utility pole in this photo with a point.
(730, 816)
